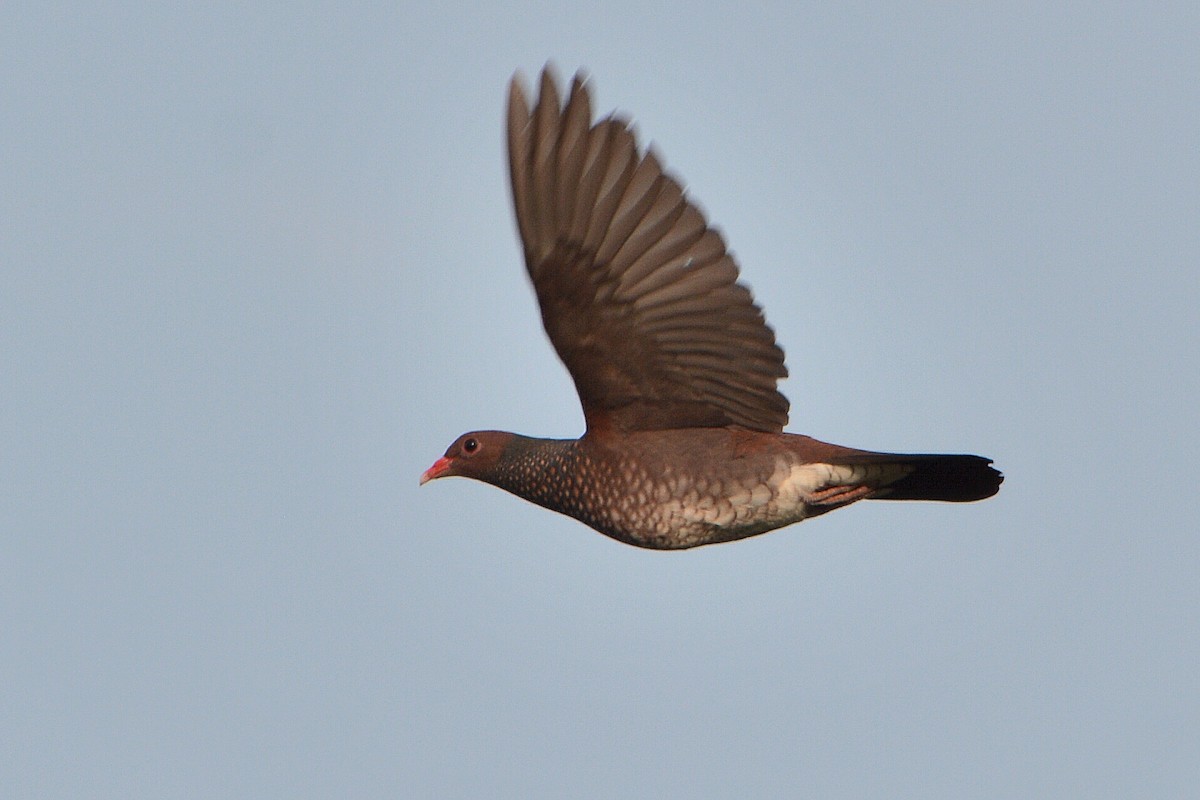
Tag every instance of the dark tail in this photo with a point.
(953, 479)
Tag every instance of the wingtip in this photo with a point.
(518, 84)
(517, 94)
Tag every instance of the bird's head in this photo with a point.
(473, 455)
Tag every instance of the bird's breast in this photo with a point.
(670, 505)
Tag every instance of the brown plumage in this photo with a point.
(673, 362)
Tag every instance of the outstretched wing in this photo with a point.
(637, 292)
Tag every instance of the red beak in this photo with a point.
(438, 469)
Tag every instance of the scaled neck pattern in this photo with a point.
(556, 474)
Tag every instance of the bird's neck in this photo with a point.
(534, 468)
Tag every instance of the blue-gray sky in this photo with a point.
(258, 268)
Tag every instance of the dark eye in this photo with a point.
(470, 446)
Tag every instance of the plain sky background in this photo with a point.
(258, 269)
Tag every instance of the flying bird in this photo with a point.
(674, 364)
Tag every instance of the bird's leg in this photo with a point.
(839, 495)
